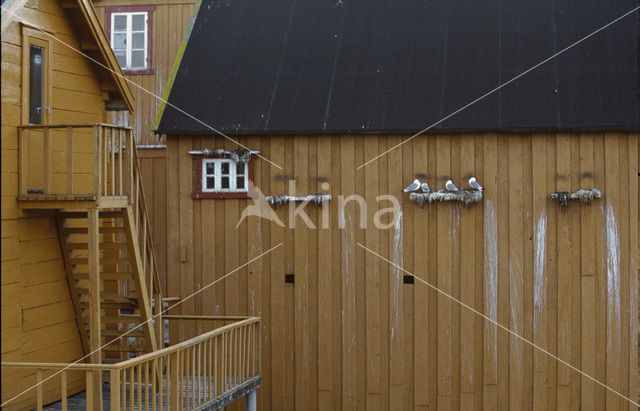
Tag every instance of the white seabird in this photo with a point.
(473, 183)
(425, 188)
(413, 186)
(450, 186)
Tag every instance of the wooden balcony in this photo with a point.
(208, 371)
(77, 166)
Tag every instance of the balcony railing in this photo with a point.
(77, 160)
(199, 372)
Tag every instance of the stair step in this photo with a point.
(118, 333)
(110, 305)
(121, 319)
(83, 214)
(107, 296)
(103, 246)
(85, 230)
(102, 261)
(105, 276)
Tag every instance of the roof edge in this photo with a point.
(176, 66)
(100, 37)
(8, 12)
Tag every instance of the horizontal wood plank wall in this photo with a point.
(38, 321)
(170, 19)
(350, 333)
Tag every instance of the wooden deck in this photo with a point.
(79, 401)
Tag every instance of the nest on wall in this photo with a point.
(240, 156)
(466, 197)
(317, 199)
(586, 195)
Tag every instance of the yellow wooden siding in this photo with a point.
(38, 319)
(349, 333)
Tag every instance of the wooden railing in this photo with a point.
(76, 159)
(189, 375)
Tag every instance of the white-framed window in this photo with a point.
(224, 175)
(130, 39)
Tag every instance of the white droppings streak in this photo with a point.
(613, 281)
(348, 292)
(539, 278)
(398, 261)
(491, 278)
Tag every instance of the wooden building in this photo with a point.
(320, 90)
(39, 321)
(160, 31)
(80, 279)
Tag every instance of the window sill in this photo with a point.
(137, 72)
(220, 195)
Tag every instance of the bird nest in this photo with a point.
(317, 199)
(466, 197)
(240, 156)
(586, 195)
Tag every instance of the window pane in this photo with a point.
(210, 168)
(225, 168)
(119, 41)
(224, 182)
(121, 55)
(239, 182)
(119, 23)
(211, 183)
(240, 168)
(138, 22)
(137, 58)
(36, 63)
(137, 41)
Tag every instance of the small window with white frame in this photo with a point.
(130, 39)
(221, 175)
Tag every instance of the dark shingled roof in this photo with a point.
(337, 66)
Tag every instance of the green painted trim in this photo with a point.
(176, 66)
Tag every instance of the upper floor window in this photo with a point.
(129, 29)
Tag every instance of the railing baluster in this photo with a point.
(154, 382)
(131, 149)
(120, 161)
(139, 372)
(132, 402)
(123, 382)
(199, 373)
(46, 168)
(70, 160)
(89, 381)
(39, 398)
(22, 141)
(63, 390)
(105, 168)
(114, 384)
(97, 165)
(146, 386)
(112, 143)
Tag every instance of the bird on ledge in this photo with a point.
(413, 186)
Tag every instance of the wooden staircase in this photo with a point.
(103, 229)
(121, 277)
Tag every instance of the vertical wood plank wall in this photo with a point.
(38, 320)
(154, 179)
(349, 333)
(170, 19)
